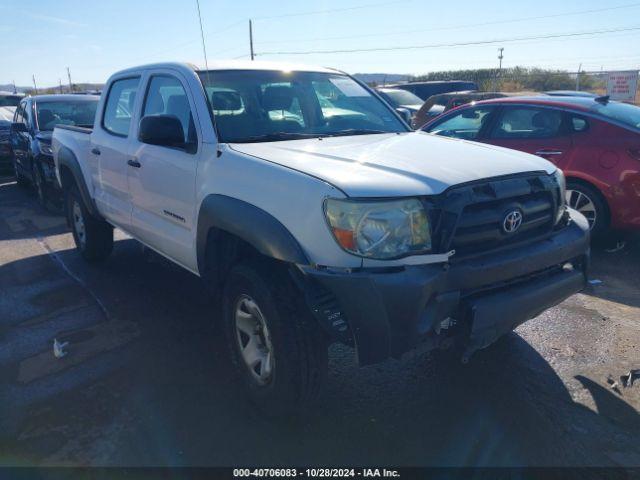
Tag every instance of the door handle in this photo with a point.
(132, 162)
(542, 153)
(95, 151)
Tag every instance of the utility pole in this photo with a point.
(578, 78)
(204, 48)
(60, 83)
(251, 39)
(500, 57)
(35, 87)
(15, 90)
(69, 76)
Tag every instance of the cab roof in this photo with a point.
(236, 65)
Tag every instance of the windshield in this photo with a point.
(262, 106)
(621, 112)
(10, 100)
(402, 97)
(50, 114)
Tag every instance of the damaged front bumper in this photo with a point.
(387, 312)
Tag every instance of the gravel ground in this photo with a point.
(146, 380)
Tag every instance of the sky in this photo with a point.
(96, 38)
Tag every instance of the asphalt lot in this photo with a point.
(146, 380)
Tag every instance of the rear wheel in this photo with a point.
(588, 201)
(277, 349)
(93, 237)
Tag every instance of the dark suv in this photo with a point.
(31, 132)
(426, 89)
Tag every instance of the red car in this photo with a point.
(595, 142)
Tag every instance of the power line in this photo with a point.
(455, 27)
(331, 10)
(456, 44)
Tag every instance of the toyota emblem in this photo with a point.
(512, 221)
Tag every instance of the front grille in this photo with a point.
(473, 215)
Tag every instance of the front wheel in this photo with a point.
(93, 237)
(39, 186)
(21, 181)
(277, 349)
(587, 200)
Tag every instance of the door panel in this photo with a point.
(110, 150)
(539, 131)
(162, 187)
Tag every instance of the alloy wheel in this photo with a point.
(581, 202)
(254, 340)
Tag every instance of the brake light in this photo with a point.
(634, 153)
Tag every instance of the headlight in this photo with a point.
(558, 176)
(45, 148)
(379, 229)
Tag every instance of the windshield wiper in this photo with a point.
(276, 136)
(356, 131)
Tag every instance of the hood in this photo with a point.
(405, 164)
(44, 137)
(6, 113)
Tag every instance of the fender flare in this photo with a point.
(249, 223)
(66, 158)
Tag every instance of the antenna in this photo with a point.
(251, 39)
(204, 48)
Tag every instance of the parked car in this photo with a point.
(424, 90)
(594, 141)
(5, 145)
(317, 229)
(438, 104)
(31, 131)
(10, 99)
(399, 98)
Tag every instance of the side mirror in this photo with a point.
(163, 130)
(19, 127)
(405, 113)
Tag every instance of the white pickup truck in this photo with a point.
(319, 216)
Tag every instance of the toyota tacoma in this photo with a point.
(318, 216)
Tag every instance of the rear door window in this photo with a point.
(167, 96)
(528, 123)
(118, 110)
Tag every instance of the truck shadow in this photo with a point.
(23, 218)
(169, 398)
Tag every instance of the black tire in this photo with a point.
(20, 179)
(600, 224)
(96, 242)
(39, 185)
(298, 346)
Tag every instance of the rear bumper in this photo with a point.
(391, 312)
